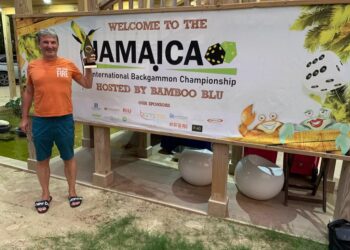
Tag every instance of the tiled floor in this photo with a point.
(158, 179)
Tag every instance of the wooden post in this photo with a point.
(88, 136)
(88, 130)
(330, 176)
(218, 202)
(103, 175)
(25, 7)
(236, 156)
(342, 205)
(92, 5)
(9, 54)
(144, 148)
(98, 137)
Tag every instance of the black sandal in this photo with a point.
(75, 199)
(43, 204)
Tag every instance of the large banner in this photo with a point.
(267, 75)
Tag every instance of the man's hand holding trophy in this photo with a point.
(89, 53)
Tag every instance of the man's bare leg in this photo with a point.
(43, 173)
(70, 170)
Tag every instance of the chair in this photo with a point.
(300, 174)
(267, 154)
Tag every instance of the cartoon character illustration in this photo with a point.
(321, 121)
(265, 126)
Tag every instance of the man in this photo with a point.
(49, 81)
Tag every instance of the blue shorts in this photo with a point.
(49, 130)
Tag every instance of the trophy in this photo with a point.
(88, 53)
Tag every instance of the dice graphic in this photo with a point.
(324, 73)
(230, 51)
(215, 54)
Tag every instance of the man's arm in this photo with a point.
(86, 80)
(27, 99)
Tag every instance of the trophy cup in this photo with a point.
(88, 52)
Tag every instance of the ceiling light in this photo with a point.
(47, 1)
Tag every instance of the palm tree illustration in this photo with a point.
(328, 29)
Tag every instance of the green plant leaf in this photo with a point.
(327, 36)
(79, 33)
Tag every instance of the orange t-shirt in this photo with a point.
(52, 84)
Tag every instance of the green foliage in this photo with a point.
(28, 46)
(15, 105)
(328, 28)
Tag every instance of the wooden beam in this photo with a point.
(342, 205)
(107, 4)
(330, 176)
(9, 54)
(81, 5)
(92, 5)
(43, 24)
(218, 202)
(88, 130)
(88, 5)
(131, 4)
(144, 149)
(23, 7)
(103, 175)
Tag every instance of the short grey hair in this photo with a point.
(46, 32)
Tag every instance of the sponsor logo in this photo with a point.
(96, 115)
(112, 118)
(111, 109)
(127, 110)
(180, 117)
(178, 125)
(197, 128)
(152, 116)
(215, 120)
(95, 106)
(124, 118)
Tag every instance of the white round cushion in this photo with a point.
(4, 123)
(196, 166)
(258, 178)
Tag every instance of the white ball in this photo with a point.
(324, 72)
(258, 178)
(196, 166)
